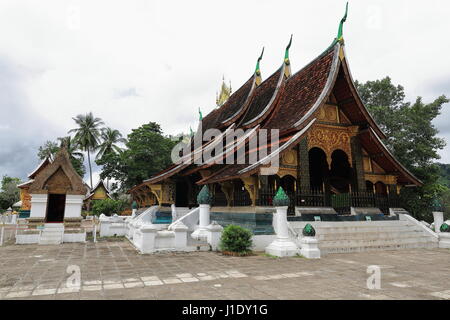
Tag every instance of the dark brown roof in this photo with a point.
(301, 91)
(39, 168)
(231, 110)
(234, 171)
(261, 98)
(61, 168)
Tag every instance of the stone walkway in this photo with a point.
(114, 270)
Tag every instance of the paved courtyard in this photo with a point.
(114, 270)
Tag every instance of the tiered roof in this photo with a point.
(288, 103)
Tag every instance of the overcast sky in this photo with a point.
(131, 62)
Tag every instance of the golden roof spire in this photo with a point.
(225, 92)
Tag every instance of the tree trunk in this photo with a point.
(90, 168)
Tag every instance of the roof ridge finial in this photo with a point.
(257, 69)
(341, 25)
(286, 53)
(200, 115)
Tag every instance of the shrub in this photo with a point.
(236, 239)
(107, 206)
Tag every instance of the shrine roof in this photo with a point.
(231, 109)
(262, 99)
(304, 91)
(39, 168)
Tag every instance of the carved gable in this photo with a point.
(58, 182)
(58, 177)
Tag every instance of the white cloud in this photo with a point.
(131, 62)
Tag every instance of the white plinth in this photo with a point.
(444, 240)
(201, 233)
(73, 206)
(282, 246)
(310, 248)
(438, 220)
(38, 205)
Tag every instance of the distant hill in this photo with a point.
(444, 170)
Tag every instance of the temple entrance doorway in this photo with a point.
(182, 194)
(340, 172)
(288, 184)
(318, 170)
(380, 188)
(55, 207)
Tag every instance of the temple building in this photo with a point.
(330, 149)
(53, 197)
(25, 197)
(98, 192)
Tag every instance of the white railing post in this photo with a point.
(1, 235)
(95, 232)
(282, 246)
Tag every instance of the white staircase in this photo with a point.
(358, 236)
(52, 233)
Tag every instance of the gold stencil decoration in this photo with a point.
(331, 114)
(289, 158)
(329, 139)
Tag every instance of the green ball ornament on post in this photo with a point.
(281, 199)
(444, 227)
(204, 196)
(309, 231)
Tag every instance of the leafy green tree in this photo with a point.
(9, 193)
(411, 136)
(444, 174)
(446, 204)
(147, 152)
(108, 207)
(48, 150)
(87, 135)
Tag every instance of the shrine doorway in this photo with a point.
(182, 193)
(55, 207)
(380, 188)
(340, 172)
(318, 169)
(369, 186)
(287, 182)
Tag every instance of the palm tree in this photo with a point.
(110, 138)
(87, 135)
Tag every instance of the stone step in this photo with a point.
(370, 235)
(47, 242)
(53, 225)
(47, 233)
(347, 224)
(49, 237)
(388, 241)
(348, 249)
(358, 236)
(339, 230)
